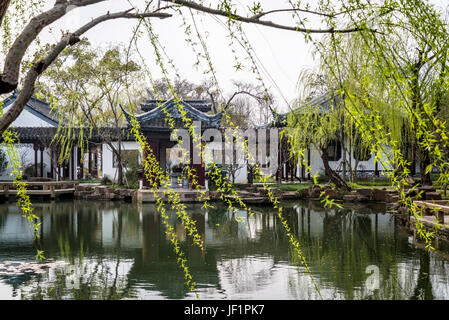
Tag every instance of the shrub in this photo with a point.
(106, 180)
(29, 170)
(223, 173)
(131, 160)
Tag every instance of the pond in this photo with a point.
(112, 250)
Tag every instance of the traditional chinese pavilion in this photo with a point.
(158, 130)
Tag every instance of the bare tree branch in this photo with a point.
(258, 16)
(67, 40)
(4, 4)
(11, 68)
(247, 93)
(234, 16)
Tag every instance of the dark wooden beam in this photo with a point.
(36, 147)
(42, 160)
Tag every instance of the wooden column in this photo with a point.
(52, 191)
(292, 170)
(42, 160)
(154, 145)
(89, 163)
(280, 166)
(198, 167)
(72, 163)
(303, 169)
(308, 163)
(67, 170)
(51, 163)
(281, 160)
(81, 163)
(36, 147)
(145, 183)
(96, 162)
(101, 158)
(376, 169)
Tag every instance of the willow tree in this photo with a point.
(400, 79)
(89, 85)
(395, 83)
(318, 125)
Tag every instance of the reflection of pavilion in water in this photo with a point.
(237, 253)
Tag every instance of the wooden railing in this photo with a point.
(48, 188)
(439, 208)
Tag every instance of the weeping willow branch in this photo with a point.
(23, 202)
(374, 125)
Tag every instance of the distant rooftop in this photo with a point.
(46, 134)
(155, 118)
(323, 103)
(40, 108)
(201, 105)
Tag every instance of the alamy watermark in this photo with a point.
(227, 147)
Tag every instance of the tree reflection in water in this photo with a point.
(120, 251)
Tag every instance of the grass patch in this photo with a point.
(372, 183)
(292, 186)
(125, 186)
(89, 181)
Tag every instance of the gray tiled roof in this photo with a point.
(38, 107)
(322, 102)
(46, 134)
(201, 105)
(155, 118)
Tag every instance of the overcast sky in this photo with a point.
(283, 54)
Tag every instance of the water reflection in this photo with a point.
(121, 251)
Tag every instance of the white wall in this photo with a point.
(26, 151)
(318, 167)
(241, 174)
(26, 156)
(108, 168)
(27, 119)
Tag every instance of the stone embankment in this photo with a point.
(97, 192)
(256, 194)
(359, 195)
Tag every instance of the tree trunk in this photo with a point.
(120, 164)
(118, 154)
(425, 161)
(4, 4)
(417, 105)
(354, 173)
(335, 178)
(344, 151)
(120, 174)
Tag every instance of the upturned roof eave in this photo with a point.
(158, 112)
